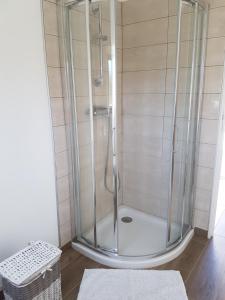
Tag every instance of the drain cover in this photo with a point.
(126, 219)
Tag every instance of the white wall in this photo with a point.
(27, 181)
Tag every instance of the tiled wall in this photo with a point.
(210, 113)
(58, 119)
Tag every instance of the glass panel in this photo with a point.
(191, 146)
(100, 37)
(186, 120)
(145, 151)
(80, 97)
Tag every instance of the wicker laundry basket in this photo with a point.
(32, 273)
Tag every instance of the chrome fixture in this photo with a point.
(100, 39)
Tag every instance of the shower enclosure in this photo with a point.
(133, 83)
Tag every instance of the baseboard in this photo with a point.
(201, 232)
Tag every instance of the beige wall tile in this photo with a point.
(216, 22)
(78, 26)
(80, 54)
(201, 219)
(50, 18)
(169, 104)
(217, 3)
(119, 41)
(55, 83)
(170, 81)
(209, 131)
(185, 54)
(215, 51)
(64, 212)
(146, 175)
(183, 81)
(145, 58)
(84, 133)
(211, 106)
(145, 33)
(63, 192)
(203, 200)
(52, 50)
(85, 159)
(173, 7)
(106, 11)
(186, 28)
(180, 128)
(65, 233)
(207, 154)
(204, 178)
(134, 11)
(82, 107)
(61, 164)
(59, 138)
(213, 79)
(142, 144)
(140, 127)
(144, 82)
(86, 209)
(144, 104)
(81, 83)
(145, 202)
(57, 110)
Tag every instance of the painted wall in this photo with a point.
(27, 180)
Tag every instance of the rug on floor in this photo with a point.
(110, 284)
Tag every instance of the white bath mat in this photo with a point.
(101, 284)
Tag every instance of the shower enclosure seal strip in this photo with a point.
(87, 18)
(69, 62)
(201, 88)
(169, 220)
(191, 95)
(114, 121)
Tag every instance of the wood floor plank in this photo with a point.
(69, 256)
(185, 262)
(1, 295)
(72, 274)
(72, 295)
(206, 281)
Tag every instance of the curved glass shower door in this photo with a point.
(132, 80)
(185, 118)
(91, 59)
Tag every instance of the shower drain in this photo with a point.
(126, 219)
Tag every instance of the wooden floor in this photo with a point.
(202, 266)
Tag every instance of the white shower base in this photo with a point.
(144, 236)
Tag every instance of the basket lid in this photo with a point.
(22, 266)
